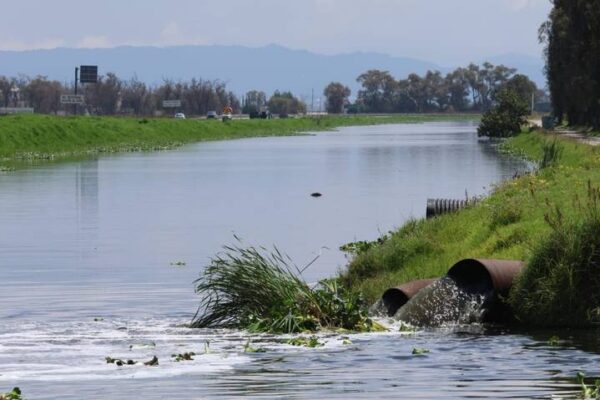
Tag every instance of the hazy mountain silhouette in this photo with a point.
(266, 68)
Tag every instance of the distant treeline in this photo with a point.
(466, 89)
(112, 95)
(572, 36)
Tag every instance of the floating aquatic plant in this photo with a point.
(14, 394)
(249, 349)
(178, 264)
(310, 342)
(588, 392)
(183, 357)
(418, 351)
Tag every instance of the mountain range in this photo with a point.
(267, 68)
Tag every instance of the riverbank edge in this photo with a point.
(510, 223)
(32, 139)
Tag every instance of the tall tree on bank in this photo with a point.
(572, 37)
(337, 97)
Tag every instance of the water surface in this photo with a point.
(95, 240)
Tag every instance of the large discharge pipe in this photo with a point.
(396, 297)
(488, 276)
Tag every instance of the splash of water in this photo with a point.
(445, 303)
(378, 310)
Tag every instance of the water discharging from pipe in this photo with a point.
(445, 302)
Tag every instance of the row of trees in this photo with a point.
(112, 95)
(466, 89)
(473, 88)
(572, 37)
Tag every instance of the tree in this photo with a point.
(104, 97)
(136, 97)
(284, 103)
(458, 89)
(378, 91)
(337, 97)
(254, 101)
(572, 37)
(43, 95)
(506, 118)
(5, 86)
(522, 86)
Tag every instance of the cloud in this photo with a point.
(18, 45)
(94, 42)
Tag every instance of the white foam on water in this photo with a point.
(77, 351)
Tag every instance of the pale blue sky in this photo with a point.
(442, 31)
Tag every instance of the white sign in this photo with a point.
(16, 110)
(72, 99)
(171, 103)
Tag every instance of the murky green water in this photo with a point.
(95, 240)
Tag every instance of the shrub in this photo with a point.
(505, 213)
(506, 118)
(561, 284)
(246, 288)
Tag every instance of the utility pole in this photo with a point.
(76, 81)
(532, 102)
(312, 101)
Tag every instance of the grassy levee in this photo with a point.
(511, 223)
(33, 138)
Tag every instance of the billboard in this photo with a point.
(88, 74)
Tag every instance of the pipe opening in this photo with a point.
(472, 276)
(393, 299)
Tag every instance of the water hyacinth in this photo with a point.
(263, 291)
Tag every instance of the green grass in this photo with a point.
(509, 224)
(31, 138)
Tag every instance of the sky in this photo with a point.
(446, 32)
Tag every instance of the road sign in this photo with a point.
(171, 103)
(88, 74)
(72, 99)
(16, 110)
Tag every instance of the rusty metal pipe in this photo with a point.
(396, 297)
(485, 276)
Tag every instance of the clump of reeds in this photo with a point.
(551, 153)
(263, 291)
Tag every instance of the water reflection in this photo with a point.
(87, 205)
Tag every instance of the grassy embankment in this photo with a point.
(526, 219)
(33, 138)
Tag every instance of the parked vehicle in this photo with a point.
(211, 115)
(180, 116)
